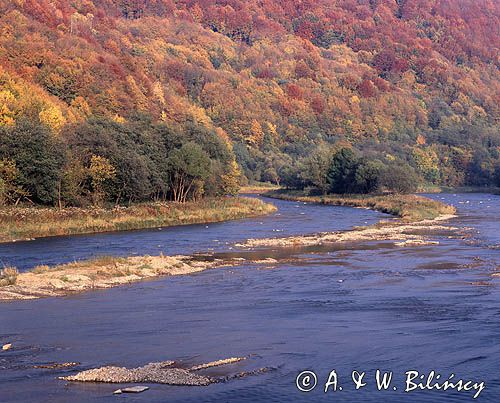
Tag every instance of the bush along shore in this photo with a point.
(21, 223)
(408, 207)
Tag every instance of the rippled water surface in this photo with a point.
(360, 307)
(291, 219)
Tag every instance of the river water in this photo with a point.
(360, 307)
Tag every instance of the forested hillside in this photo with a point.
(104, 99)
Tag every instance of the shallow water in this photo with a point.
(291, 219)
(360, 307)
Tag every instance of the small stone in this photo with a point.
(134, 389)
(6, 347)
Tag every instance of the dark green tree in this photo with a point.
(399, 177)
(292, 176)
(38, 157)
(497, 175)
(342, 171)
(188, 168)
(316, 168)
(367, 177)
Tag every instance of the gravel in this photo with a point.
(156, 372)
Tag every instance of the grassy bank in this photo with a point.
(258, 188)
(26, 223)
(410, 208)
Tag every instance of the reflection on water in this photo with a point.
(364, 307)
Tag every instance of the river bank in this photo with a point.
(410, 208)
(21, 223)
(420, 218)
(403, 234)
(99, 273)
(422, 296)
(258, 188)
(495, 190)
(106, 272)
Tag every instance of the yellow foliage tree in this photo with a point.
(136, 93)
(100, 171)
(231, 179)
(118, 118)
(6, 114)
(427, 162)
(158, 93)
(256, 133)
(10, 191)
(271, 129)
(53, 118)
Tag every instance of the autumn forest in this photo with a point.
(134, 100)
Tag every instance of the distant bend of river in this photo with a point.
(291, 219)
(364, 308)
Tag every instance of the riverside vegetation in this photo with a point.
(27, 223)
(107, 176)
(410, 208)
(114, 103)
(340, 170)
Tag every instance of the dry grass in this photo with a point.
(258, 188)
(8, 276)
(41, 269)
(102, 272)
(410, 208)
(27, 223)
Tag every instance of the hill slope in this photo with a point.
(415, 80)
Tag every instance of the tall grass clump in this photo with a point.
(8, 276)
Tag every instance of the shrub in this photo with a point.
(400, 178)
(341, 175)
(367, 177)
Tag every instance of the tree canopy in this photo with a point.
(262, 83)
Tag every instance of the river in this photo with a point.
(359, 307)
